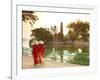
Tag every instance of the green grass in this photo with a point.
(82, 59)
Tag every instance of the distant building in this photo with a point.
(61, 31)
(61, 27)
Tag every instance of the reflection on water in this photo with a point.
(71, 53)
(65, 54)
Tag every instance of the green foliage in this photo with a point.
(82, 59)
(29, 15)
(42, 34)
(71, 35)
(78, 30)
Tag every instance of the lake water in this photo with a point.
(65, 54)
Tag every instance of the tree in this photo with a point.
(29, 15)
(54, 32)
(42, 34)
(71, 36)
(79, 30)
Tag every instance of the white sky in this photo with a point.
(47, 19)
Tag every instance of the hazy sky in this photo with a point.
(48, 19)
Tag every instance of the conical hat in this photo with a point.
(41, 42)
(35, 42)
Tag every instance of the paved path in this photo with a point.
(28, 63)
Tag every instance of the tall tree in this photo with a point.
(29, 15)
(79, 30)
(42, 34)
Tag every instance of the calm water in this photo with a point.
(69, 53)
(65, 54)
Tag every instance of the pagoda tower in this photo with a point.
(61, 30)
(61, 27)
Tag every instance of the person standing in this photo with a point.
(41, 51)
(35, 52)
